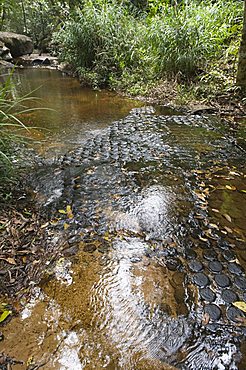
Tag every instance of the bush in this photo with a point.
(106, 40)
(108, 45)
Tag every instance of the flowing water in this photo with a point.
(150, 209)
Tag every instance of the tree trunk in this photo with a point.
(241, 71)
(24, 15)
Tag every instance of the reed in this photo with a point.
(110, 45)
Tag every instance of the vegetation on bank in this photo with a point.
(109, 45)
(133, 45)
(128, 46)
(13, 132)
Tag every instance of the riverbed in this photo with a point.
(151, 205)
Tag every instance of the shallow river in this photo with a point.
(151, 210)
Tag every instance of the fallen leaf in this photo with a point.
(241, 305)
(227, 217)
(215, 210)
(11, 261)
(206, 191)
(4, 315)
(205, 319)
(44, 225)
(62, 211)
(203, 239)
(201, 196)
(214, 226)
(228, 229)
(229, 187)
(234, 173)
(66, 226)
(69, 212)
(243, 191)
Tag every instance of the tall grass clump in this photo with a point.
(106, 45)
(109, 44)
(187, 39)
(11, 126)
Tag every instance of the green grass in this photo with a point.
(109, 45)
(12, 130)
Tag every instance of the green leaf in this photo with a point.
(4, 315)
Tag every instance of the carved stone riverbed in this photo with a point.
(151, 215)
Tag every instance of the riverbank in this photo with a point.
(229, 104)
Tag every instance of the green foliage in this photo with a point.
(108, 45)
(130, 44)
(12, 130)
(38, 19)
(103, 42)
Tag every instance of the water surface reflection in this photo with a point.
(73, 112)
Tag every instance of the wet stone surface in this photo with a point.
(215, 266)
(213, 311)
(195, 266)
(132, 186)
(229, 296)
(201, 280)
(207, 294)
(240, 282)
(233, 313)
(222, 280)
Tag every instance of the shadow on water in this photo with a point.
(73, 112)
(153, 215)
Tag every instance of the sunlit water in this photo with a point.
(143, 192)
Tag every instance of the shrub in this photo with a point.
(111, 45)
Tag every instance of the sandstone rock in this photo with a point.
(5, 52)
(5, 65)
(17, 44)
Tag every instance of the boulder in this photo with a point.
(17, 44)
(5, 52)
(5, 65)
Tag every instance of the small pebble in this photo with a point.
(235, 268)
(222, 280)
(173, 264)
(213, 311)
(233, 312)
(215, 266)
(229, 296)
(200, 279)
(240, 282)
(190, 254)
(195, 266)
(213, 327)
(89, 248)
(207, 294)
(228, 255)
(210, 255)
(135, 259)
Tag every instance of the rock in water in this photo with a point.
(4, 52)
(17, 44)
